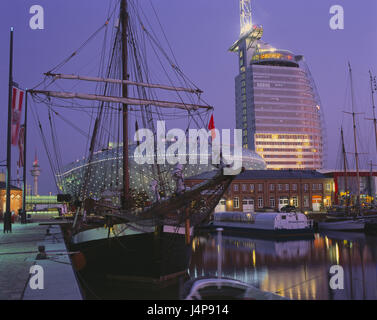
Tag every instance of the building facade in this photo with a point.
(368, 186)
(259, 190)
(15, 199)
(277, 105)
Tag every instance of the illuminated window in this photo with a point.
(252, 187)
(236, 203)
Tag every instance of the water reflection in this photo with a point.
(294, 269)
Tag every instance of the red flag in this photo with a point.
(21, 140)
(17, 97)
(211, 126)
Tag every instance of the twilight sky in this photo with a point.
(200, 32)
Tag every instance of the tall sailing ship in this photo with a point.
(150, 240)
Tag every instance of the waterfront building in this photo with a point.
(368, 186)
(15, 197)
(277, 105)
(307, 190)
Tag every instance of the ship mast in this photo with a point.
(353, 113)
(124, 37)
(372, 80)
(345, 168)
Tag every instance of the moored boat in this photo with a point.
(269, 224)
(343, 224)
(207, 288)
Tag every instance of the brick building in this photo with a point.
(256, 190)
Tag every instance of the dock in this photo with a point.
(18, 253)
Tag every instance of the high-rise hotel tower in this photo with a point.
(277, 105)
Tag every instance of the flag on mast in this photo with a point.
(17, 98)
(21, 140)
(211, 126)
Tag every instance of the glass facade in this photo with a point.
(278, 108)
(106, 172)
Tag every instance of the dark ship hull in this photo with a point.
(138, 256)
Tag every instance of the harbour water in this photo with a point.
(298, 269)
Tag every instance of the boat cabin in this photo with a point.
(266, 221)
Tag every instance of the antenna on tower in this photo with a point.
(245, 16)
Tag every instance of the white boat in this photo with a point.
(268, 224)
(225, 288)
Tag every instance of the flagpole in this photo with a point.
(7, 216)
(23, 219)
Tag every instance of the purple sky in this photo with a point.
(200, 32)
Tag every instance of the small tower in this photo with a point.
(35, 172)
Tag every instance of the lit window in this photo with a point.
(252, 187)
(236, 203)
